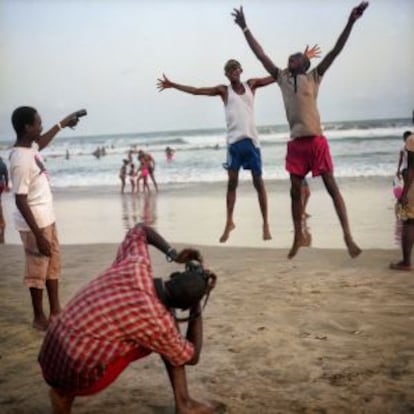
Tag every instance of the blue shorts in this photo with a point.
(244, 154)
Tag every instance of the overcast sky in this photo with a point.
(106, 55)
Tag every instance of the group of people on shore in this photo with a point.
(146, 168)
(125, 313)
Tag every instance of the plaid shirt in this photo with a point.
(115, 313)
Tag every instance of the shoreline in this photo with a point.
(195, 214)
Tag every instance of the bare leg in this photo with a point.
(305, 194)
(151, 172)
(233, 179)
(407, 241)
(40, 321)
(184, 404)
(52, 286)
(61, 404)
(296, 208)
(333, 190)
(2, 223)
(262, 196)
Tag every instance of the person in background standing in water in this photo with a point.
(151, 166)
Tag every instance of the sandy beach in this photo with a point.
(322, 333)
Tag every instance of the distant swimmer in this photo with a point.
(169, 153)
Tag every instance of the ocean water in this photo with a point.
(367, 148)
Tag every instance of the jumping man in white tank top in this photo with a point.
(243, 148)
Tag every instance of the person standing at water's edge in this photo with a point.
(35, 217)
(405, 210)
(308, 149)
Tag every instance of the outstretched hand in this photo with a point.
(313, 52)
(358, 11)
(239, 18)
(186, 255)
(69, 121)
(164, 83)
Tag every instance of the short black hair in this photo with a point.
(185, 289)
(22, 116)
(406, 134)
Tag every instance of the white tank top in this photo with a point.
(240, 116)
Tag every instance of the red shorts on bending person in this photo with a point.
(308, 154)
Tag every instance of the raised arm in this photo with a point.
(45, 139)
(240, 20)
(155, 239)
(165, 83)
(326, 62)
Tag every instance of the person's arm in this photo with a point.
(23, 206)
(195, 333)
(260, 82)
(268, 64)
(398, 174)
(156, 240)
(45, 139)
(219, 90)
(326, 62)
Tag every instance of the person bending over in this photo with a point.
(124, 315)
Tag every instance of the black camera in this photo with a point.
(196, 267)
(81, 112)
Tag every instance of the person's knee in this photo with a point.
(296, 189)
(258, 183)
(232, 184)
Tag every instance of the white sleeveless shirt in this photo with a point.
(240, 116)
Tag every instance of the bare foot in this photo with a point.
(297, 243)
(353, 248)
(61, 404)
(229, 227)
(266, 232)
(195, 407)
(40, 323)
(400, 266)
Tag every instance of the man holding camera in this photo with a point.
(124, 315)
(35, 217)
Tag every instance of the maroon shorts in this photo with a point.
(112, 372)
(308, 154)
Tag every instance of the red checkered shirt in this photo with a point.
(115, 313)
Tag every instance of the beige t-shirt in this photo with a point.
(28, 176)
(301, 109)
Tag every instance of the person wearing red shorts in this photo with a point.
(124, 315)
(308, 149)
